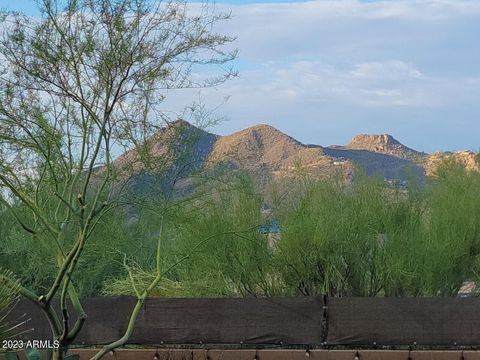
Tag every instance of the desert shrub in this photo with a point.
(371, 238)
(453, 225)
(331, 239)
(212, 246)
(102, 258)
(34, 268)
(235, 259)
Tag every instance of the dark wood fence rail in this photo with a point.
(307, 321)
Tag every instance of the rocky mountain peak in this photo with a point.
(384, 144)
(263, 147)
(365, 140)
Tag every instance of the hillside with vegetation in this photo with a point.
(364, 237)
(371, 218)
(180, 151)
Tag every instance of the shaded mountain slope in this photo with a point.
(167, 159)
(378, 164)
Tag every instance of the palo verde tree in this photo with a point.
(77, 83)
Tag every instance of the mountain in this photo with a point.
(177, 142)
(180, 150)
(383, 144)
(262, 149)
(167, 159)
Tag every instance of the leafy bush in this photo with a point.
(372, 239)
(212, 246)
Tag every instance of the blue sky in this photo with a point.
(28, 6)
(326, 70)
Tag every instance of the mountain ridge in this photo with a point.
(264, 150)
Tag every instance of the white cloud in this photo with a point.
(347, 66)
(355, 32)
(389, 70)
(390, 84)
(321, 9)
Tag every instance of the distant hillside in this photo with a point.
(466, 158)
(180, 149)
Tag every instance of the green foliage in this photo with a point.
(103, 257)
(234, 258)
(333, 238)
(34, 268)
(100, 260)
(123, 286)
(212, 245)
(8, 295)
(454, 227)
(370, 239)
